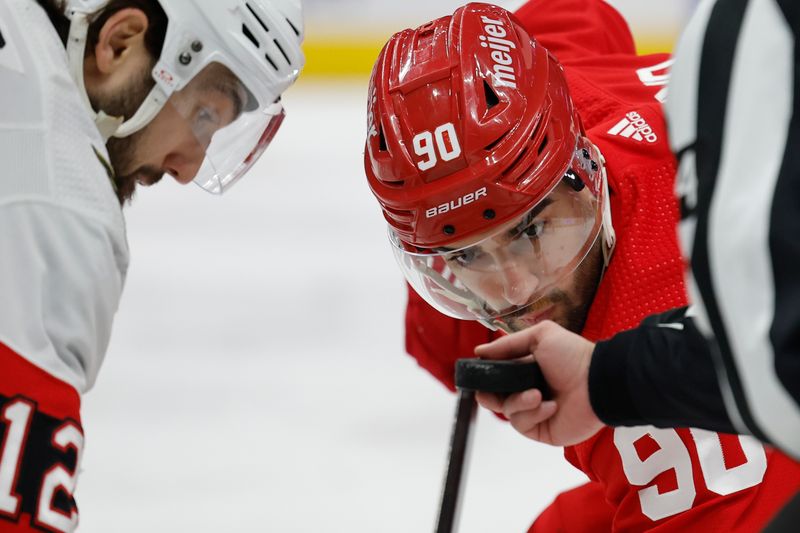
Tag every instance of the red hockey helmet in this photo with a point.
(470, 126)
(466, 111)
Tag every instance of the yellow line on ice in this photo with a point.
(353, 57)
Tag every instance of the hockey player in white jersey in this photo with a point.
(96, 97)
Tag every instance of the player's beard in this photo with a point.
(570, 306)
(123, 156)
(123, 151)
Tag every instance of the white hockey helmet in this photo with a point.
(258, 41)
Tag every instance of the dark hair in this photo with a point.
(153, 38)
(55, 12)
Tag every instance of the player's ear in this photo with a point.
(121, 41)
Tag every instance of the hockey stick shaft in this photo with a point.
(459, 447)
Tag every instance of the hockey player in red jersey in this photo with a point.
(96, 97)
(519, 187)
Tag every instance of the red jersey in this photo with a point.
(651, 479)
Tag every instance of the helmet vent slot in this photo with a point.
(282, 51)
(512, 168)
(400, 216)
(543, 145)
(491, 97)
(489, 147)
(295, 30)
(271, 62)
(249, 35)
(250, 8)
(382, 141)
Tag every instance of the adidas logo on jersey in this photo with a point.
(635, 127)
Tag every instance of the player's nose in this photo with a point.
(519, 283)
(183, 164)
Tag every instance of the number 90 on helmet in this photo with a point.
(470, 127)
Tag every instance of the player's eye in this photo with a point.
(465, 258)
(535, 229)
(521, 228)
(206, 121)
(207, 117)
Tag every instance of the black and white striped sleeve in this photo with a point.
(733, 125)
(731, 111)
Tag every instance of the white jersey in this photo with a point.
(63, 258)
(63, 251)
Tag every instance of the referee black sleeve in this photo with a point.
(661, 373)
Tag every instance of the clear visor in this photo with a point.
(507, 271)
(224, 128)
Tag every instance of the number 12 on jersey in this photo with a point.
(16, 418)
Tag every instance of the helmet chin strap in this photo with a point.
(109, 126)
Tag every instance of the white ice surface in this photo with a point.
(256, 379)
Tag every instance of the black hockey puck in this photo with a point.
(500, 377)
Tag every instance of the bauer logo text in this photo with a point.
(457, 203)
